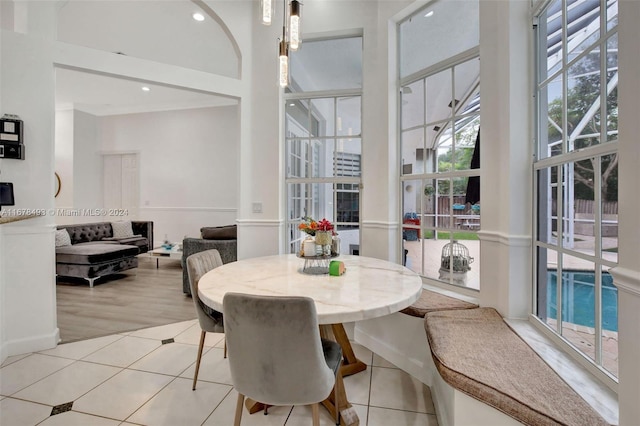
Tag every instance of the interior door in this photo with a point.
(121, 185)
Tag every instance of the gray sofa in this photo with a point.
(222, 238)
(94, 252)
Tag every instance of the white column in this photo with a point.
(627, 274)
(505, 74)
(261, 143)
(27, 273)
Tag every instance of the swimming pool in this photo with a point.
(578, 299)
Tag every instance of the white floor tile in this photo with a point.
(124, 351)
(362, 353)
(68, 384)
(121, 395)
(393, 388)
(301, 415)
(363, 411)
(71, 418)
(357, 387)
(162, 332)
(27, 371)
(79, 350)
(224, 414)
(191, 336)
(18, 413)
(378, 361)
(213, 368)
(220, 344)
(386, 417)
(177, 404)
(146, 393)
(172, 359)
(12, 359)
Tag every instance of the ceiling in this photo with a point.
(104, 95)
(159, 31)
(165, 32)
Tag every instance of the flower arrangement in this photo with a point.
(310, 226)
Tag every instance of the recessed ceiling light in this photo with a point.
(428, 14)
(198, 16)
(145, 89)
(292, 104)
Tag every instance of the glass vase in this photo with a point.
(324, 238)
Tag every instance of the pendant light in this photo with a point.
(291, 33)
(283, 69)
(294, 25)
(267, 10)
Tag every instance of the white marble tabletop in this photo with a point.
(369, 288)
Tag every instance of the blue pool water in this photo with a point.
(578, 299)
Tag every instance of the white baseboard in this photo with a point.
(30, 344)
(401, 340)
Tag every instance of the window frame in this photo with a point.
(564, 160)
(447, 65)
(335, 180)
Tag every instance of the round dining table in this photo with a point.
(369, 288)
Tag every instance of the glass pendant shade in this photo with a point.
(294, 25)
(283, 70)
(267, 10)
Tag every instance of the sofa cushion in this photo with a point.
(62, 238)
(122, 229)
(86, 254)
(139, 241)
(85, 232)
(229, 232)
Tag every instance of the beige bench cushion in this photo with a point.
(431, 301)
(476, 352)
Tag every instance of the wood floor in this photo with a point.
(138, 298)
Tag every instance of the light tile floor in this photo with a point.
(136, 379)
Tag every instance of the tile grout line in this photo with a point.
(217, 406)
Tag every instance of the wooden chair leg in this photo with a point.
(315, 409)
(225, 347)
(336, 389)
(195, 375)
(239, 405)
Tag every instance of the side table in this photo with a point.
(173, 253)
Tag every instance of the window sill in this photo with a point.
(597, 394)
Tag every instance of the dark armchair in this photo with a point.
(222, 238)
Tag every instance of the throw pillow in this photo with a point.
(229, 232)
(62, 238)
(122, 229)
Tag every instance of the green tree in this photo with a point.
(584, 121)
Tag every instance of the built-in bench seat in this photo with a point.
(430, 301)
(477, 354)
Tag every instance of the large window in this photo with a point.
(323, 141)
(440, 149)
(576, 235)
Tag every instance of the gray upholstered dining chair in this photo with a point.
(210, 320)
(276, 354)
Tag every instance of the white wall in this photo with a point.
(27, 286)
(188, 166)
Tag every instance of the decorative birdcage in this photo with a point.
(455, 258)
